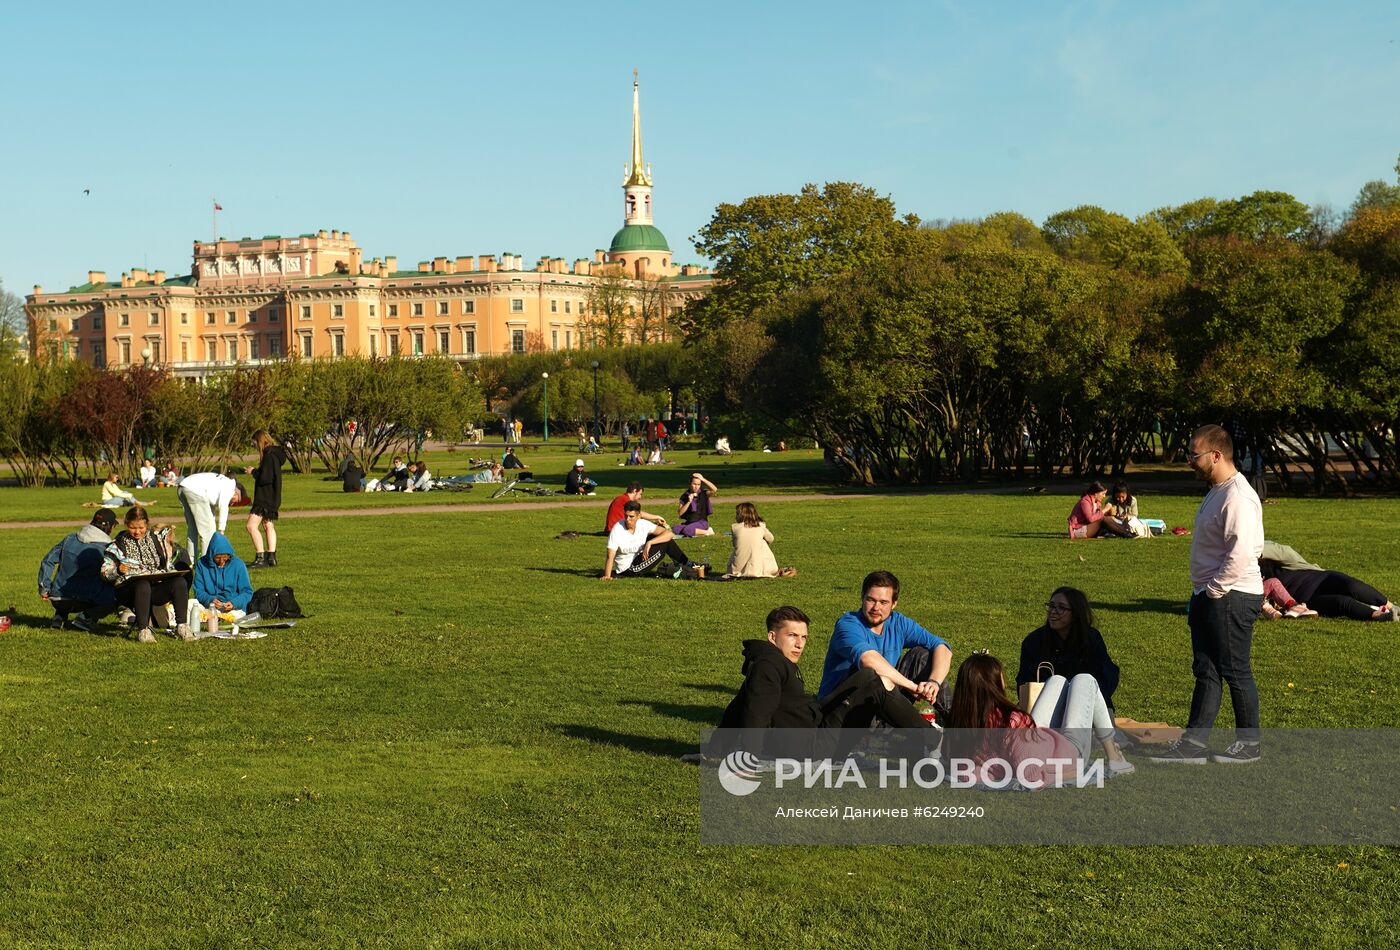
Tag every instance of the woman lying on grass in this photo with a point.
(1057, 727)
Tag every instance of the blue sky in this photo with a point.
(471, 128)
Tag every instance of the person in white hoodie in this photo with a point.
(206, 498)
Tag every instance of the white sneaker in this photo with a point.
(1121, 767)
(144, 635)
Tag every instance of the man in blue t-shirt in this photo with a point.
(876, 637)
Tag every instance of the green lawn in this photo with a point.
(788, 473)
(473, 741)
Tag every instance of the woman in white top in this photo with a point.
(752, 555)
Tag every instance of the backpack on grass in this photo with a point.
(274, 602)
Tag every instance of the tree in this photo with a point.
(609, 311)
(653, 308)
(1378, 194)
(768, 245)
(1093, 235)
(13, 322)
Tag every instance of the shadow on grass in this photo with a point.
(647, 745)
(711, 688)
(575, 571)
(704, 715)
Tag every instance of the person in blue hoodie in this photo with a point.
(70, 576)
(221, 578)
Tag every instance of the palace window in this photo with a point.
(155, 319)
(123, 320)
(210, 350)
(554, 306)
(393, 344)
(97, 321)
(306, 312)
(210, 318)
(338, 344)
(554, 339)
(417, 342)
(230, 316)
(184, 318)
(373, 345)
(274, 315)
(444, 341)
(418, 310)
(469, 306)
(566, 306)
(393, 310)
(99, 356)
(469, 341)
(517, 305)
(306, 345)
(274, 346)
(517, 341)
(184, 351)
(338, 310)
(232, 344)
(252, 316)
(253, 347)
(371, 310)
(124, 347)
(442, 308)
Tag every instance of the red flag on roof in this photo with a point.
(218, 207)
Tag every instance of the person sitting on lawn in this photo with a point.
(774, 696)
(875, 637)
(722, 446)
(636, 546)
(419, 478)
(635, 458)
(221, 580)
(1086, 519)
(146, 475)
(1121, 508)
(577, 481)
(70, 575)
(656, 458)
(170, 476)
(135, 553)
(398, 477)
(615, 508)
(1070, 643)
(511, 463)
(752, 555)
(694, 508)
(114, 495)
(985, 725)
(351, 476)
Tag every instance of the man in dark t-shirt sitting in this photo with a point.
(511, 463)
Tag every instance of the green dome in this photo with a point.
(639, 237)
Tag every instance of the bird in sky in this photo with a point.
(87, 190)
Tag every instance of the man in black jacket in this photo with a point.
(774, 695)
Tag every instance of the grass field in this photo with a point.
(474, 742)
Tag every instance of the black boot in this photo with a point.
(271, 560)
(259, 561)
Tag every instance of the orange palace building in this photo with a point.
(253, 300)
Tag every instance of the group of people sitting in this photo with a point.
(882, 664)
(91, 573)
(1100, 513)
(148, 477)
(639, 541)
(403, 478)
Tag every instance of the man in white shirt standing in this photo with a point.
(1227, 592)
(635, 546)
(206, 497)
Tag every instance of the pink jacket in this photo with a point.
(1086, 512)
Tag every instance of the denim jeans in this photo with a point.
(1074, 708)
(1222, 630)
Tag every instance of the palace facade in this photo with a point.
(314, 295)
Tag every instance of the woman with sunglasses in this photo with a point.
(1070, 643)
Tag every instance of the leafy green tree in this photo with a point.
(1093, 235)
(768, 245)
(1378, 194)
(610, 310)
(12, 324)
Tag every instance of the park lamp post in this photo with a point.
(146, 356)
(545, 377)
(597, 430)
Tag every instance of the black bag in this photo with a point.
(274, 602)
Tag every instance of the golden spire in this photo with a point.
(637, 174)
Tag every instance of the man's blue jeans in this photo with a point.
(1222, 630)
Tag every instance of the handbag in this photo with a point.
(1033, 689)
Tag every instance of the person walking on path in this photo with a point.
(267, 498)
(1227, 593)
